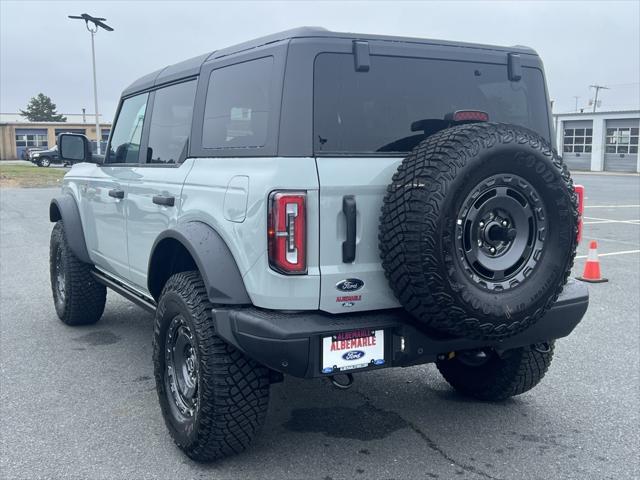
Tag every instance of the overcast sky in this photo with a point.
(581, 42)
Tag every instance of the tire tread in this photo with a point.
(85, 298)
(409, 222)
(234, 388)
(520, 371)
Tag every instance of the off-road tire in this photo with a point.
(419, 228)
(82, 299)
(232, 391)
(516, 372)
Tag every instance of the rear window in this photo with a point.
(400, 101)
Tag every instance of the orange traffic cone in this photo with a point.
(592, 267)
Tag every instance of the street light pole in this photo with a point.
(95, 88)
(93, 29)
(597, 88)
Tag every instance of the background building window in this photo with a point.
(622, 140)
(577, 140)
(31, 140)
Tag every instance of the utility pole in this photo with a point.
(598, 88)
(96, 23)
(576, 97)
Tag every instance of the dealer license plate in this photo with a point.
(353, 349)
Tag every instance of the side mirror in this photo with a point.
(74, 148)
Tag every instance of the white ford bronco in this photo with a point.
(319, 204)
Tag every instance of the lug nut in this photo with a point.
(481, 224)
(505, 223)
(479, 243)
(492, 249)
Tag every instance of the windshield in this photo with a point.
(400, 101)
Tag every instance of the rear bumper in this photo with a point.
(291, 342)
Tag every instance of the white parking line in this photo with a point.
(614, 240)
(612, 206)
(626, 252)
(608, 220)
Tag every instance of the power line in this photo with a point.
(624, 84)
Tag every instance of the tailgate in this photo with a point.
(348, 286)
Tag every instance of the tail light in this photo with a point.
(580, 193)
(287, 232)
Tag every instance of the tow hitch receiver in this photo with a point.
(339, 384)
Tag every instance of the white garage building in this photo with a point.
(600, 141)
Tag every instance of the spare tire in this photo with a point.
(479, 230)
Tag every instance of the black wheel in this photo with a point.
(485, 375)
(78, 298)
(44, 161)
(213, 398)
(478, 230)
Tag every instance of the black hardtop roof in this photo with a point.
(191, 67)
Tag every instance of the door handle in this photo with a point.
(116, 193)
(349, 245)
(166, 200)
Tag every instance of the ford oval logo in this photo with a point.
(353, 355)
(349, 285)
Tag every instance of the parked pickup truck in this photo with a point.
(44, 158)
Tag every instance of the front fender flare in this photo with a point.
(65, 208)
(213, 258)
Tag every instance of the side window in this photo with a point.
(127, 132)
(236, 112)
(171, 123)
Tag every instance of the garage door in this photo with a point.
(621, 145)
(577, 139)
(30, 138)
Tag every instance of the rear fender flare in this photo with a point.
(211, 255)
(65, 208)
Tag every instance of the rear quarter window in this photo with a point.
(237, 107)
(400, 100)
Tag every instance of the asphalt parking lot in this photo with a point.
(81, 402)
